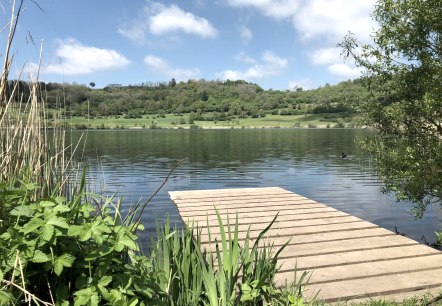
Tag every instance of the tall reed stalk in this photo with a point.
(27, 150)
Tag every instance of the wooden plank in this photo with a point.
(370, 269)
(316, 261)
(376, 286)
(291, 231)
(294, 251)
(272, 210)
(259, 224)
(246, 202)
(351, 259)
(250, 218)
(200, 194)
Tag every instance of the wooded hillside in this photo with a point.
(205, 100)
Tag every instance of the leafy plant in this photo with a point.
(224, 274)
(64, 251)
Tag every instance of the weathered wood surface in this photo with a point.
(347, 258)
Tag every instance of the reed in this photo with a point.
(29, 150)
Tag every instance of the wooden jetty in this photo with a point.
(348, 258)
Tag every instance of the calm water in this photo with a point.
(306, 161)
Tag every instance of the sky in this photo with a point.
(277, 44)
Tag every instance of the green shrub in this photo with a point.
(54, 249)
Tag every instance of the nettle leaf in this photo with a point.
(128, 242)
(32, 226)
(46, 203)
(21, 211)
(60, 200)
(84, 296)
(65, 260)
(75, 230)
(58, 221)
(61, 208)
(98, 229)
(39, 257)
(47, 232)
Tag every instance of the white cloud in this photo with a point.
(303, 83)
(325, 56)
(136, 32)
(345, 71)
(330, 20)
(245, 34)
(322, 23)
(160, 66)
(279, 9)
(76, 58)
(159, 19)
(243, 57)
(271, 65)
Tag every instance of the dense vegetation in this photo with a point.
(202, 100)
(404, 72)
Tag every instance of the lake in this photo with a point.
(134, 163)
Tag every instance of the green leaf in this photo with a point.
(65, 260)
(6, 298)
(32, 225)
(60, 200)
(128, 242)
(39, 257)
(105, 280)
(61, 208)
(47, 232)
(84, 296)
(46, 203)
(58, 221)
(133, 302)
(24, 211)
(75, 230)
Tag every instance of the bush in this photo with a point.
(340, 124)
(80, 126)
(70, 251)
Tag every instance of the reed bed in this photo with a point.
(29, 149)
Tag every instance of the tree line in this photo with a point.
(205, 100)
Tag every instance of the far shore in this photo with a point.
(320, 121)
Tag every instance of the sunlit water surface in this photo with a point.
(134, 163)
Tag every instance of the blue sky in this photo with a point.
(278, 44)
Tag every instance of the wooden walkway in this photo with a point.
(348, 258)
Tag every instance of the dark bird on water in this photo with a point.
(343, 155)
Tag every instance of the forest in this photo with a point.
(202, 99)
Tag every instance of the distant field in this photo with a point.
(174, 121)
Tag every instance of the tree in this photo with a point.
(172, 82)
(403, 68)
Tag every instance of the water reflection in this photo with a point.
(305, 161)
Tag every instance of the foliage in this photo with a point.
(404, 73)
(70, 251)
(208, 100)
(224, 274)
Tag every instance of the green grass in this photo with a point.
(173, 121)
